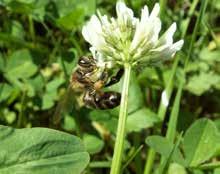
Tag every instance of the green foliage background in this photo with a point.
(40, 43)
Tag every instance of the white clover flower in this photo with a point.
(129, 39)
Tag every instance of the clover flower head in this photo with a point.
(129, 39)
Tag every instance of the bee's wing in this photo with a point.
(64, 106)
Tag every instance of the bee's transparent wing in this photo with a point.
(64, 106)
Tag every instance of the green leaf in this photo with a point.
(5, 91)
(217, 123)
(71, 20)
(66, 7)
(19, 6)
(72, 12)
(134, 94)
(198, 84)
(217, 171)
(47, 101)
(40, 150)
(69, 123)
(175, 168)
(93, 144)
(210, 56)
(143, 118)
(51, 93)
(165, 148)
(201, 142)
(105, 119)
(17, 30)
(20, 65)
(29, 7)
(8, 115)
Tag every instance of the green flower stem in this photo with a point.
(120, 136)
(150, 161)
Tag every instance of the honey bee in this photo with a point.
(88, 81)
(91, 79)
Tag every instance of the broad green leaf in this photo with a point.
(53, 85)
(104, 118)
(9, 116)
(47, 101)
(29, 7)
(72, 12)
(36, 84)
(198, 84)
(51, 93)
(20, 7)
(66, 7)
(71, 20)
(217, 123)
(210, 56)
(20, 65)
(5, 91)
(217, 171)
(165, 148)
(17, 30)
(93, 144)
(69, 123)
(201, 142)
(40, 150)
(143, 118)
(134, 94)
(175, 168)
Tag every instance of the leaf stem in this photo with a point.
(209, 166)
(31, 28)
(21, 111)
(150, 161)
(120, 135)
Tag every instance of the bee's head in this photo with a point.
(86, 61)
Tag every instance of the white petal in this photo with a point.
(122, 10)
(91, 29)
(165, 52)
(144, 13)
(178, 45)
(94, 22)
(86, 34)
(155, 11)
(125, 15)
(156, 27)
(167, 37)
(147, 30)
(170, 32)
(92, 32)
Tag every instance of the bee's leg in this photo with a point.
(116, 78)
(104, 76)
(102, 80)
(81, 77)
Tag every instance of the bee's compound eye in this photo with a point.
(85, 61)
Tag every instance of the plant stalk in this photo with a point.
(120, 135)
(150, 161)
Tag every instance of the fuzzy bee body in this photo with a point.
(86, 88)
(89, 80)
